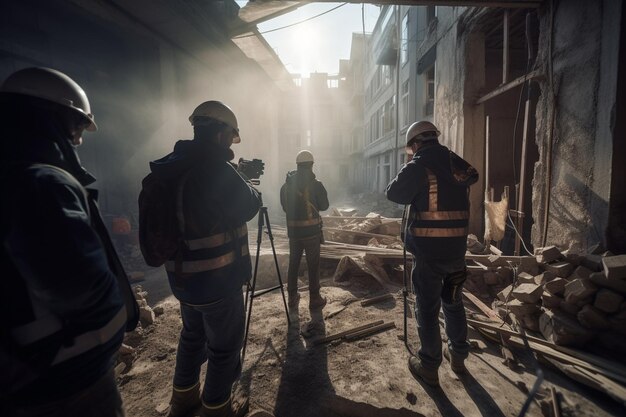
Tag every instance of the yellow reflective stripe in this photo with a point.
(442, 215)
(303, 223)
(432, 190)
(178, 389)
(439, 232)
(215, 407)
(192, 267)
(215, 240)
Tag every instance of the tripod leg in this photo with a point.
(280, 280)
(251, 288)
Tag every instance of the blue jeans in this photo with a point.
(428, 276)
(212, 333)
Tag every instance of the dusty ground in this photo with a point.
(285, 374)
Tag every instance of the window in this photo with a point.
(387, 115)
(405, 103)
(429, 106)
(386, 74)
(332, 83)
(404, 48)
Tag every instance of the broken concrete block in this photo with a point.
(593, 262)
(601, 280)
(528, 293)
(548, 254)
(618, 322)
(581, 272)
(608, 301)
(158, 310)
(592, 318)
(529, 265)
(550, 300)
(614, 266)
(562, 330)
(530, 322)
(521, 309)
(525, 278)
(490, 278)
(573, 258)
(146, 315)
(570, 308)
(560, 269)
(505, 273)
(556, 286)
(542, 278)
(579, 291)
(505, 293)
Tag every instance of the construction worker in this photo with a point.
(435, 182)
(66, 299)
(302, 198)
(207, 273)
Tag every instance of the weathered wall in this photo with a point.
(585, 41)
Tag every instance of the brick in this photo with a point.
(556, 286)
(563, 330)
(550, 300)
(528, 264)
(608, 301)
(601, 280)
(522, 309)
(618, 322)
(560, 269)
(614, 266)
(544, 277)
(579, 291)
(570, 308)
(528, 293)
(548, 254)
(593, 262)
(581, 272)
(491, 278)
(592, 318)
(504, 294)
(573, 258)
(525, 278)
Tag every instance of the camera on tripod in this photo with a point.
(251, 169)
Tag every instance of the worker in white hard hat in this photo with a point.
(66, 297)
(209, 261)
(435, 183)
(302, 198)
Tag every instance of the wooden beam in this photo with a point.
(522, 181)
(483, 307)
(505, 47)
(345, 333)
(371, 331)
(375, 300)
(358, 233)
(533, 75)
(486, 157)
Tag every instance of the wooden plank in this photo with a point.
(522, 179)
(346, 332)
(375, 300)
(533, 75)
(483, 307)
(486, 156)
(556, 408)
(371, 331)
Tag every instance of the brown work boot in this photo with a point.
(236, 406)
(184, 400)
(419, 372)
(457, 364)
(294, 301)
(316, 301)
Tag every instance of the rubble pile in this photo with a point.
(370, 230)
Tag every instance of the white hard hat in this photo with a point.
(419, 128)
(216, 110)
(304, 157)
(51, 85)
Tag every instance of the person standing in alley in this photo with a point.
(435, 183)
(66, 300)
(210, 263)
(302, 197)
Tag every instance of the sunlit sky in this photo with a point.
(318, 44)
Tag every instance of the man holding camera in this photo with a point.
(435, 182)
(302, 198)
(212, 262)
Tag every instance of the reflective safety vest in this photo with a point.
(436, 222)
(211, 252)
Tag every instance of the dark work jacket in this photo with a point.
(57, 264)
(217, 203)
(436, 185)
(302, 198)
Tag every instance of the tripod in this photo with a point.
(251, 292)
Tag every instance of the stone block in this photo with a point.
(505, 274)
(608, 301)
(504, 294)
(548, 254)
(525, 278)
(618, 322)
(563, 330)
(601, 280)
(581, 272)
(528, 293)
(550, 300)
(614, 266)
(579, 291)
(521, 309)
(593, 262)
(570, 308)
(529, 265)
(491, 278)
(560, 269)
(556, 286)
(544, 277)
(573, 258)
(530, 322)
(592, 318)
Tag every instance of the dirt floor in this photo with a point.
(284, 373)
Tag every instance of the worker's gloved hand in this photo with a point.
(251, 169)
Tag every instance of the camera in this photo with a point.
(251, 169)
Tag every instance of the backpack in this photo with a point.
(161, 219)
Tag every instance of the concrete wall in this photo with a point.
(585, 42)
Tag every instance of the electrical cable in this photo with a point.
(291, 25)
(518, 234)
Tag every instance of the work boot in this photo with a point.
(316, 301)
(184, 400)
(294, 301)
(236, 406)
(457, 364)
(419, 372)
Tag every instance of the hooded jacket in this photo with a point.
(217, 203)
(436, 184)
(302, 198)
(61, 279)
